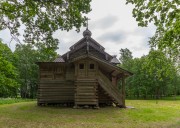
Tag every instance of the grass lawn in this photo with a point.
(13, 100)
(147, 114)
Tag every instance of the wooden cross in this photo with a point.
(87, 22)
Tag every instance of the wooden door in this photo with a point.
(86, 69)
(91, 69)
(82, 66)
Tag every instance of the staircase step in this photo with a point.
(112, 91)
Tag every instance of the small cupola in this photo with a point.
(87, 33)
(114, 60)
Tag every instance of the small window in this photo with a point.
(81, 66)
(91, 66)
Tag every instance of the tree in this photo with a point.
(42, 17)
(26, 57)
(154, 75)
(161, 69)
(25, 63)
(46, 53)
(139, 81)
(125, 58)
(166, 16)
(8, 74)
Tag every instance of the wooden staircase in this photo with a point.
(111, 90)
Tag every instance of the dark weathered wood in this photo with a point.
(110, 89)
(86, 92)
(55, 91)
(123, 91)
(85, 75)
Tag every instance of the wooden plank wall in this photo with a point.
(56, 92)
(86, 92)
(56, 84)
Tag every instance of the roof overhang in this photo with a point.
(50, 63)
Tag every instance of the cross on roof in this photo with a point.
(87, 22)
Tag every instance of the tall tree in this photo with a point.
(26, 58)
(154, 75)
(161, 69)
(8, 73)
(126, 58)
(42, 17)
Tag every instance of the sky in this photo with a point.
(111, 24)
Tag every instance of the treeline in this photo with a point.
(18, 69)
(155, 75)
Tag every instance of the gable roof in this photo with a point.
(88, 45)
(59, 59)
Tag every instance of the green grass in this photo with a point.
(172, 98)
(12, 100)
(161, 98)
(147, 114)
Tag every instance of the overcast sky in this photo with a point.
(111, 24)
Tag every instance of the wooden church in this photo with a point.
(84, 76)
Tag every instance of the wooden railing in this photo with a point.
(112, 91)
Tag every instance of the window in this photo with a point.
(81, 66)
(91, 66)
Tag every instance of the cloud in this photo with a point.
(6, 38)
(148, 32)
(115, 37)
(67, 39)
(104, 23)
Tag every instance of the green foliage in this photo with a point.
(165, 14)
(8, 73)
(161, 70)
(19, 71)
(155, 75)
(25, 63)
(26, 58)
(42, 17)
(126, 58)
(159, 66)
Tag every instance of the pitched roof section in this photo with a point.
(114, 60)
(59, 59)
(88, 46)
(84, 40)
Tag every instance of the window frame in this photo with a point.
(93, 65)
(83, 66)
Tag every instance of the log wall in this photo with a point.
(86, 92)
(56, 84)
(56, 92)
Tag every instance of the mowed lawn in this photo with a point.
(147, 114)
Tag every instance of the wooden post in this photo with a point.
(114, 81)
(123, 90)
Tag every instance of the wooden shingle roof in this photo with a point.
(88, 45)
(59, 59)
